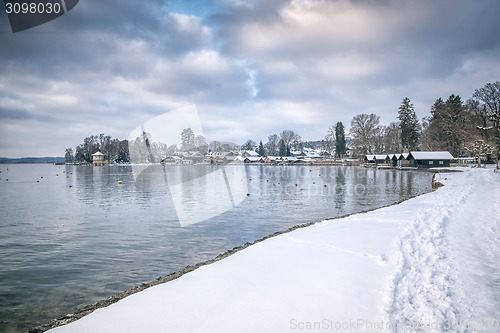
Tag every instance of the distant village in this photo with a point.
(306, 156)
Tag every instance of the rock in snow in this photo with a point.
(429, 264)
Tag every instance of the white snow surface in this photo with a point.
(429, 264)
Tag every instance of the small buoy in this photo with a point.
(310, 170)
(132, 172)
(324, 185)
(119, 182)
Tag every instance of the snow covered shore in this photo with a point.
(429, 264)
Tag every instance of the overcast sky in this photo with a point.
(253, 68)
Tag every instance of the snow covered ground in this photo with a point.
(430, 264)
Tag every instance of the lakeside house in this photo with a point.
(394, 159)
(98, 159)
(250, 153)
(429, 159)
(403, 160)
(415, 159)
(377, 159)
(253, 159)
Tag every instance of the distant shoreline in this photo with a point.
(31, 160)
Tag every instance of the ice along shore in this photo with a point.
(426, 264)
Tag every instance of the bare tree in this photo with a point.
(272, 145)
(489, 98)
(249, 145)
(392, 138)
(68, 156)
(367, 134)
(329, 141)
(201, 144)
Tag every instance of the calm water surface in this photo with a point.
(71, 235)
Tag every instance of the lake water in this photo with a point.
(72, 235)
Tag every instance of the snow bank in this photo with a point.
(426, 264)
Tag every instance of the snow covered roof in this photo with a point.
(403, 156)
(431, 155)
(98, 154)
(253, 158)
(250, 153)
(380, 157)
(313, 154)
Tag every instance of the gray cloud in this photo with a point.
(14, 114)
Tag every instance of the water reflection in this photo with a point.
(78, 235)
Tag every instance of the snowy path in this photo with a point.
(430, 261)
(450, 273)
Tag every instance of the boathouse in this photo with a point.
(429, 159)
(377, 159)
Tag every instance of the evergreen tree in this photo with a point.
(449, 127)
(261, 151)
(340, 144)
(410, 128)
(187, 139)
(282, 148)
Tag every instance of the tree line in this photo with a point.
(114, 150)
(277, 144)
(462, 128)
(469, 128)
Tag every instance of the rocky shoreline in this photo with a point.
(87, 309)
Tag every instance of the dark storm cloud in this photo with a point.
(14, 114)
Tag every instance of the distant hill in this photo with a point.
(313, 144)
(29, 160)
